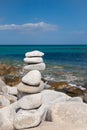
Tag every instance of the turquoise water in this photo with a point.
(67, 62)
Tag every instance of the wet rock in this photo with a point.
(73, 91)
(11, 80)
(85, 85)
(8, 69)
(62, 86)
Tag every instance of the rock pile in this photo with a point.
(31, 109)
(34, 61)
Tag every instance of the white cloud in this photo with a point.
(29, 27)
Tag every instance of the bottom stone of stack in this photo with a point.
(29, 118)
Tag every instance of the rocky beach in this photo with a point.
(31, 101)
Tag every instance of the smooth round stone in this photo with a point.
(32, 78)
(30, 102)
(29, 118)
(30, 89)
(40, 66)
(26, 119)
(33, 60)
(34, 54)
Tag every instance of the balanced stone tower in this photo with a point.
(34, 61)
(32, 110)
(31, 82)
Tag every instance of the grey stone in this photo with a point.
(26, 119)
(32, 78)
(33, 60)
(50, 97)
(4, 101)
(7, 116)
(69, 113)
(31, 101)
(75, 99)
(12, 90)
(30, 89)
(3, 87)
(34, 54)
(11, 98)
(29, 118)
(40, 67)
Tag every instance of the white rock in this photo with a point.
(30, 89)
(4, 101)
(75, 99)
(33, 60)
(11, 98)
(40, 66)
(26, 89)
(30, 101)
(34, 54)
(7, 116)
(29, 118)
(55, 126)
(26, 119)
(32, 78)
(50, 97)
(12, 90)
(3, 87)
(69, 113)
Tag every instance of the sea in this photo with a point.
(63, 62)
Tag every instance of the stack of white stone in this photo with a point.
(31, 82)
(31, 109)
(34, 61)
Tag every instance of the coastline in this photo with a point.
(28, 97)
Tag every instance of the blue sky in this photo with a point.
(43, 22)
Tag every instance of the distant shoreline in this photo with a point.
(43, 44)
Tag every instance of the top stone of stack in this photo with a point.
(34, 54)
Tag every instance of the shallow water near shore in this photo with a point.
(63, 63)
